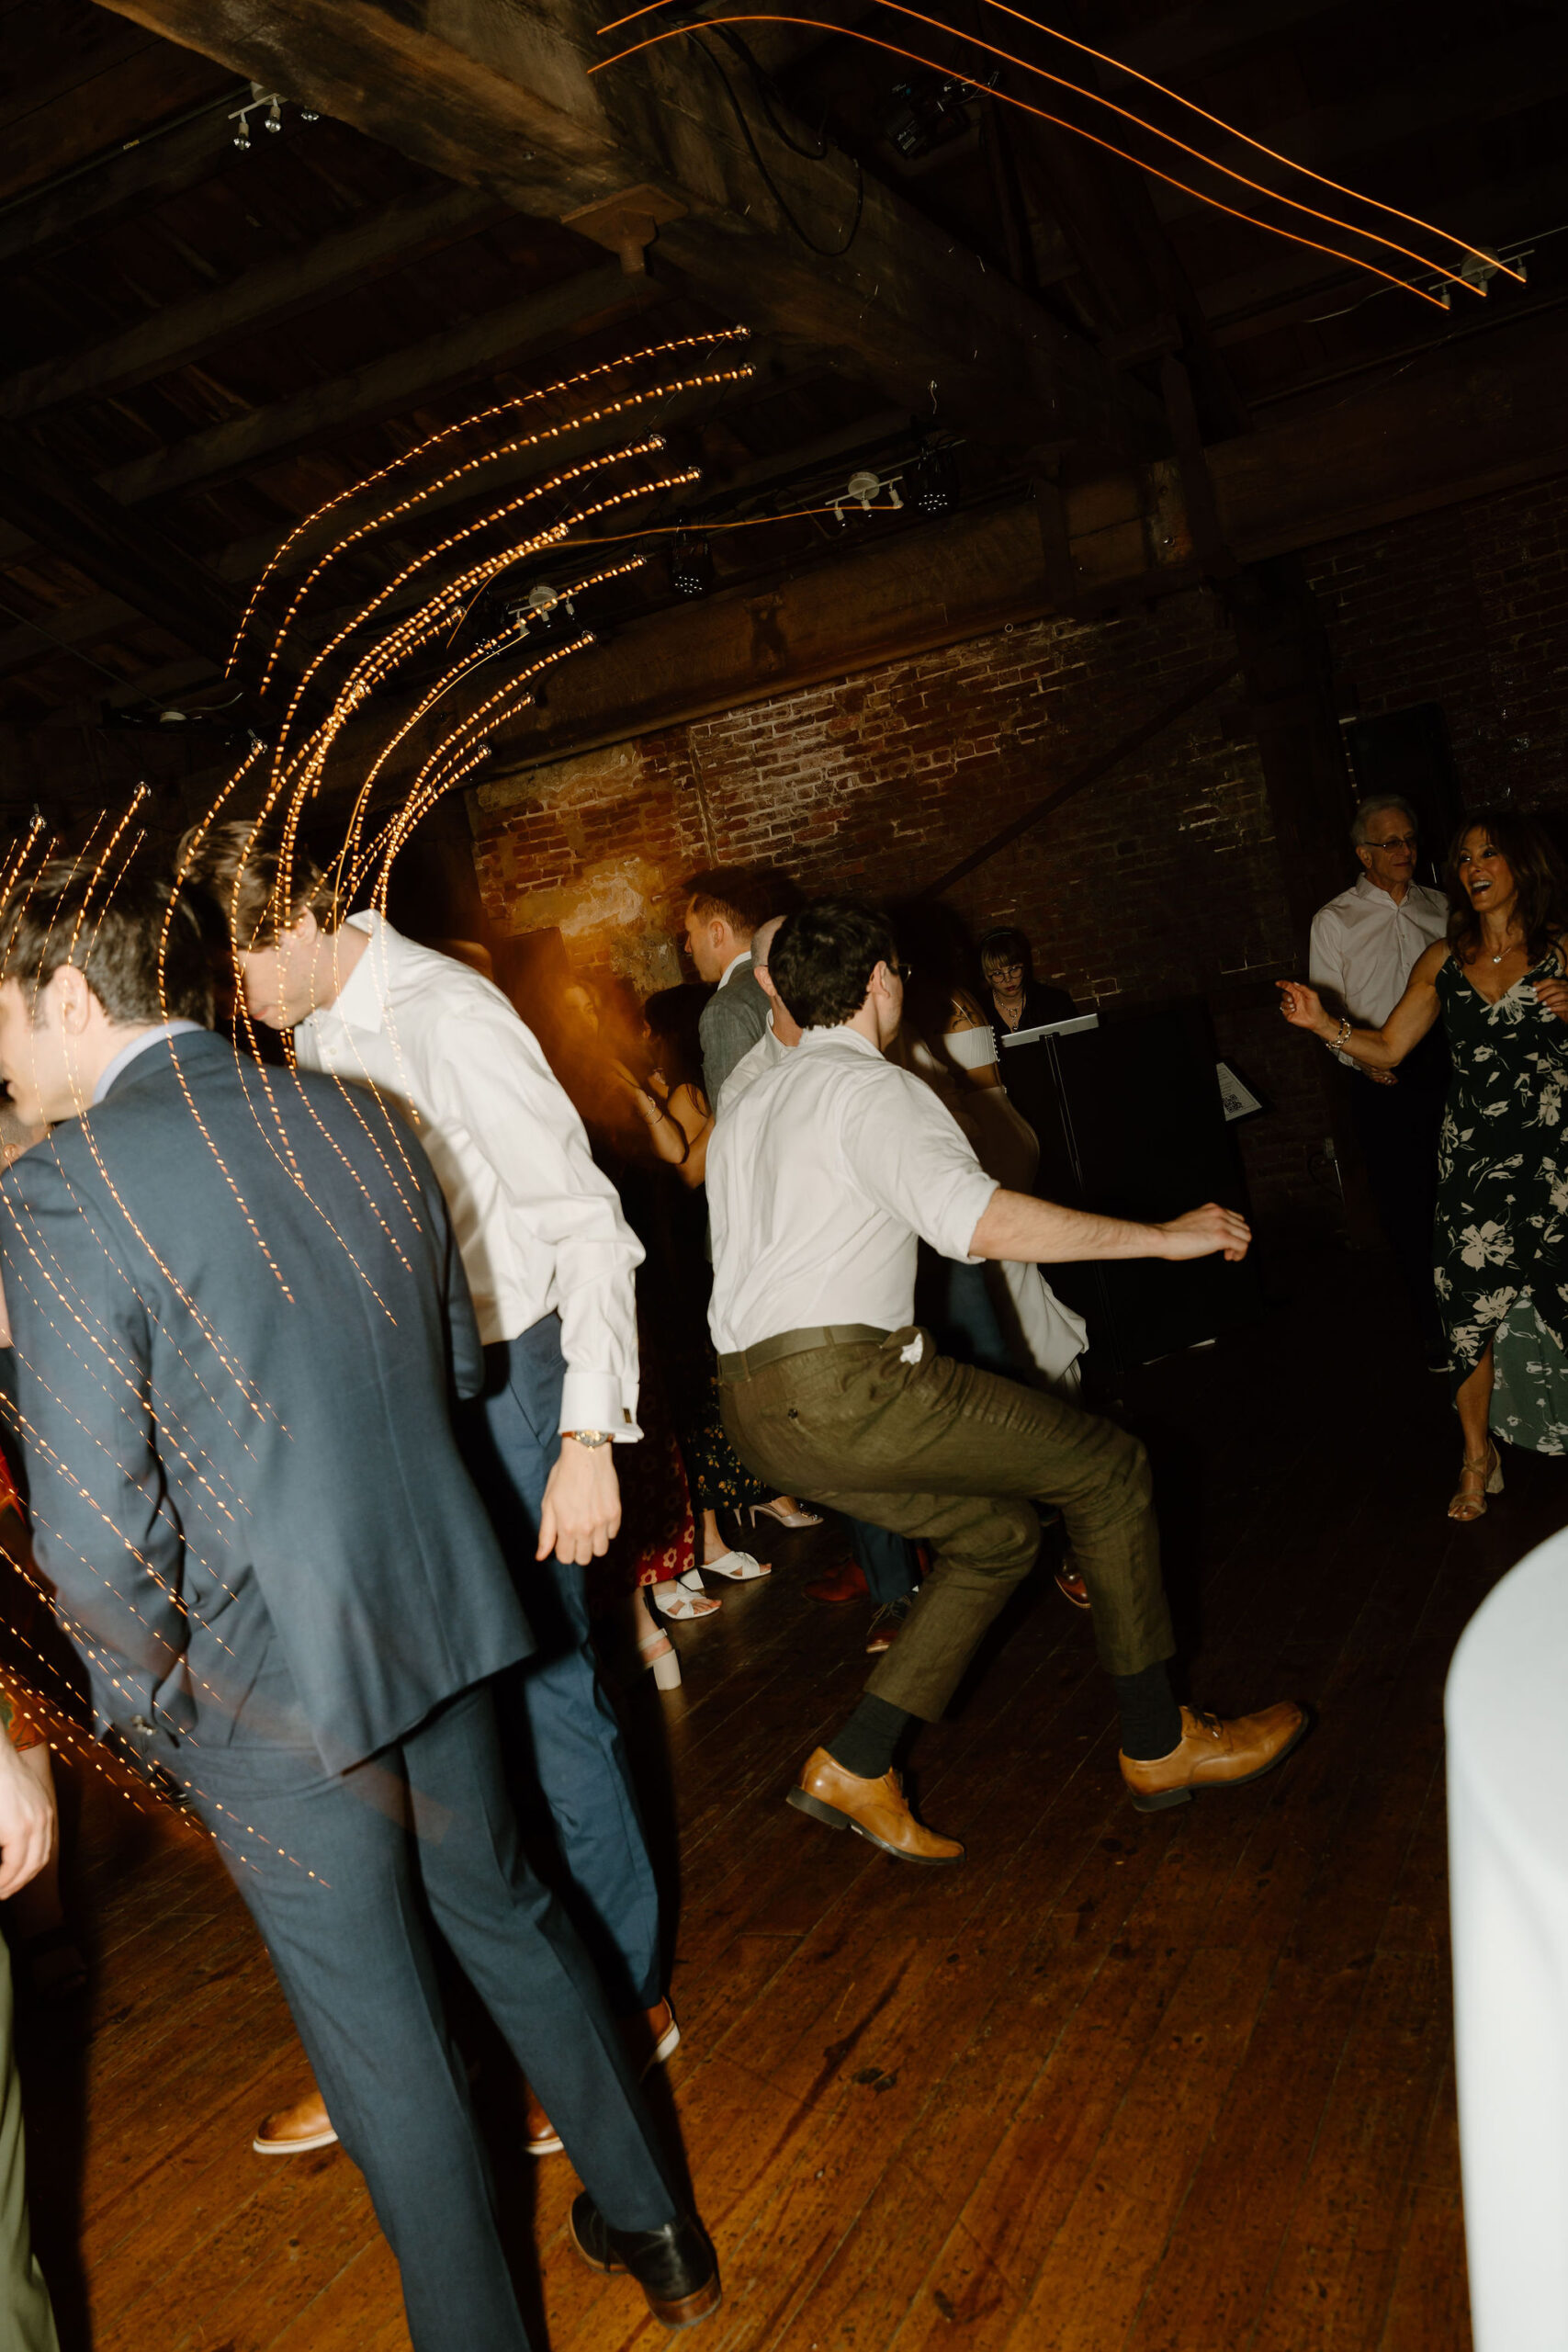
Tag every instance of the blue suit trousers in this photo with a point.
(559, 1727)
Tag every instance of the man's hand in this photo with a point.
(582, 1505)
(1203, 1231)
(27, 1816)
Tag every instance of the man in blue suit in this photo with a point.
(240, 1317)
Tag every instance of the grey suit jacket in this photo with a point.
(240, 1319)
(732, 1020)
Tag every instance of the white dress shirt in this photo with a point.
(733, 966)
(539, 1226)
(1365, 944)
(765, 1054)
(822, 1180)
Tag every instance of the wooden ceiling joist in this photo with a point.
(503, 99)
(386, 386)
(123, 553)
(265, 297)
(108, 188)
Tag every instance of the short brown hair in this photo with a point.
(729, 894)
(142, 950)
(240, 866)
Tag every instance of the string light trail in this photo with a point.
(1006, 98)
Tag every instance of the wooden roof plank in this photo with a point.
(173, 336)
(504, 99)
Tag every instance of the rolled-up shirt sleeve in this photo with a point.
(913, 1158)
(495, 1083)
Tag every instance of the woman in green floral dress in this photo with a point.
(1499, 983)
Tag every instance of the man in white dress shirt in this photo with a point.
(549, 1260)
(1365, 944)
(822, 1180)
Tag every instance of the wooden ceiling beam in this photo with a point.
(389, 387)
(107, 102)
(125, 555)
(110, 188)
(502, 99)
(172, 337)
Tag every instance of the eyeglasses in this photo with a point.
(1003, 971)
(1393, 841)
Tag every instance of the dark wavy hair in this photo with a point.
(1539, 877)
(145, 953)
(822, 959)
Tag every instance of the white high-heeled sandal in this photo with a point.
(738, 1567)
(782, 1517)
(683, 1600)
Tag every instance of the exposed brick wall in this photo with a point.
(1469, 608)
(1160, 881)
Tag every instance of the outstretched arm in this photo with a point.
(1378, 1049)
(1016, 1226)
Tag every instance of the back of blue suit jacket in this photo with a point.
(240, 1323)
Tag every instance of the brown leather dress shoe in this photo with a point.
(876, 1810)
(1071, 1586)
(886, 1626)
(296, 2131)
(651, 2038)
(846, 1582)
(1214, 1755)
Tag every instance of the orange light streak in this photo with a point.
(914, 56)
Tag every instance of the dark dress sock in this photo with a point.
(865, 1744)
(1151, 1720)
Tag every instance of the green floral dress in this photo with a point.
(1502, 1229)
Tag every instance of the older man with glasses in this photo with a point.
(1365, 944)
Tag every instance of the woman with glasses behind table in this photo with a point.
(1021, 1001)
(1499, 984)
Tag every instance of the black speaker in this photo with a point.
(1143, 1131)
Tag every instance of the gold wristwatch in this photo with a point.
(589, 1437)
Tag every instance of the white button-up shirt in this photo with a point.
(539, 1226)
(765, 1054)
(1365, 944)
(822, 1180)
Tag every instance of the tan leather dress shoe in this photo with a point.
(651, 2038)
(296, 2131)
(874, 1809)
(1214, 1755)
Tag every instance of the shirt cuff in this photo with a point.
(595, 1401)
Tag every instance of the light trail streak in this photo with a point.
(1060, 122)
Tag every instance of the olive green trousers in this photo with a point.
(27, 2322)
(895, 1433)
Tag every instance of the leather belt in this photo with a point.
(746, 1361)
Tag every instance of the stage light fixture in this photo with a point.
(925, 112)
(933, 482)
(691, 564)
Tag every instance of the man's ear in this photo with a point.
(71, 995)
(307, 931)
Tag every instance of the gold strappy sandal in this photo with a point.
(1466, 1505)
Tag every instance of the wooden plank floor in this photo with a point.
(1118, 2084)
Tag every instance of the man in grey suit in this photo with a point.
(238, 1319)
(723, 908)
